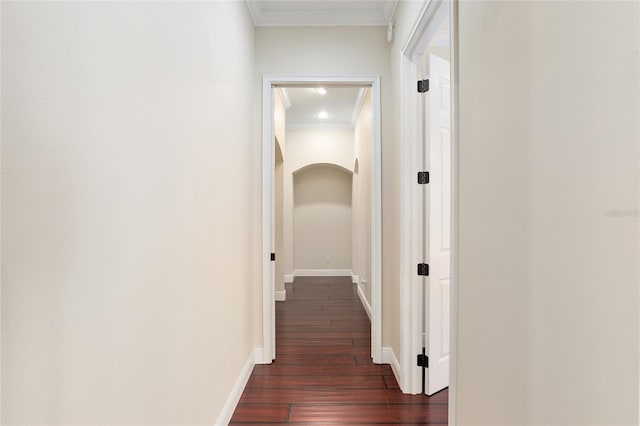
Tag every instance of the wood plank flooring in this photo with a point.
(323, 373)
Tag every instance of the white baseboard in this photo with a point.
(323, 273)
(355, 279)
(289, 278)
(281, 296)
(388, 357)
(365, 302)
(236, 392)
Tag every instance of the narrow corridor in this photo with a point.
(323, 373)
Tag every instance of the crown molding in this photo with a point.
(255, 10)
(390, 10)
(376, 14)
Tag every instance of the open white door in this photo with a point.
(438, 153)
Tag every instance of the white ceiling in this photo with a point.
(342, 104)
(288, 13)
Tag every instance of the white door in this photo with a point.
(438, 223)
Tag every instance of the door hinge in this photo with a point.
(423, 269)
(423, 361)
(423, 178)
(423, 86)
(273, 257)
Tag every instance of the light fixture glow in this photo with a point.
(321, 90)
(323, 114)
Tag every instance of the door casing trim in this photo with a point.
(424, 29)
(268, 242)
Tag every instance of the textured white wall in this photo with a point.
(322, 218)
(124, 243)
(549, 198)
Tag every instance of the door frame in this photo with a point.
(420, 36)
(268, 240)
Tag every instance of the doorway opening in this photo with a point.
(303, 156)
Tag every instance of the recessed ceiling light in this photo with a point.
(321, 90)
(323, 114)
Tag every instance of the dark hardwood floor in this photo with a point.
(323, 373)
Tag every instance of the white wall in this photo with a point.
(495, 298)
(549, 198)
(124, 245)
(599, 250)
(307, 147)
(322, 218)
(361, 198)
(320, 145)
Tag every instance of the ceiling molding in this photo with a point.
(267, 13)
(255, 10)
(390, 10)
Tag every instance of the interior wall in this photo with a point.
(343, 51)
(278, 186)
(279, 120)
(123, 242)
(307, 147)
(322, 218)
(361, 204)
(548, 257)
(604, 128)
(320, 145)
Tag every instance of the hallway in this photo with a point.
(323, 372)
